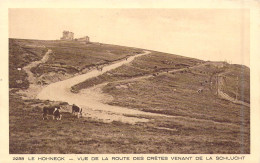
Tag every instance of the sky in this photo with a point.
(208, 34)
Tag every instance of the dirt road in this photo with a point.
(90, 101)
(93, 100)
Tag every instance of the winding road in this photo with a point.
(92, 100)
(92, 106)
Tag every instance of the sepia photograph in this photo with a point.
(129, 80)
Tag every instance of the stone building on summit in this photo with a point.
(85, 39)
(67, 35)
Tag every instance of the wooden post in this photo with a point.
(217, 84)
(237, 85)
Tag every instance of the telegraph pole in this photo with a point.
(237, 84)
(217, 84)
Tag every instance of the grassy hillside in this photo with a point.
(195, 123)
(72, 57)
(153, 63)
(30, 134)
(20, 56)
(68, 57)
(237, 82)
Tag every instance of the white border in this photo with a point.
(253, 5)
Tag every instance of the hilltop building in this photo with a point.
(67, 35)
(85, 39)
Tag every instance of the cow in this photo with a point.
(51, 110)
(76, 110)
(56, 114)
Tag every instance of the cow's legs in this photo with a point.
(44, 116)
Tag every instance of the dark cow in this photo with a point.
(56, 114)
(76, 110)
(51, 110)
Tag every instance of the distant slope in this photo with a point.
(20, 56)
(153, 63)
(67, 59)
(183, 87)
(237, 82)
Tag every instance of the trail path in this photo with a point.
(159, 73)
(220, 83)
(33, 89)
(226, 96)
(27, 68)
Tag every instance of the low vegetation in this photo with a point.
(196, 121)
(20, 56)
(153, 63)
(237, 83)
(29, 134)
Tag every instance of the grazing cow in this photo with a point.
(56, 114)
(76, 110)
(52, 110)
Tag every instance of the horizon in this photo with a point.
(209, 34)
(135, 47)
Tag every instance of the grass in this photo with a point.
(176, 95)
(237, 83)
(19, 57)
(30, 134)
(74, 57)
(198, 123)
(145, 65)
(68, 57)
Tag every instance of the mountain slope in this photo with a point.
(184, 89)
